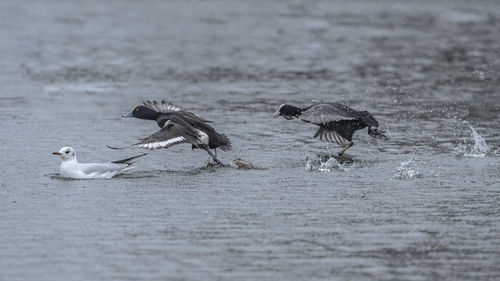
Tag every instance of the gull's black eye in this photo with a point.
(67, 152)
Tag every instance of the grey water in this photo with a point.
(423, 205)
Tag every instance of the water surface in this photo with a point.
(422, 206)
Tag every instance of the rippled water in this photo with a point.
(423, 205)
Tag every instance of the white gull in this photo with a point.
(70, 167)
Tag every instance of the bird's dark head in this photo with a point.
(142, 112)
(288, 111)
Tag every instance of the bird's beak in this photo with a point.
(276, 114)
(128, 115)
(56, 153)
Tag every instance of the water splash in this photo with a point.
(329, 165)
(479, 149)
(407, 170)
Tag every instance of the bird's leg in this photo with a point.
(215, 152)
(213, 156)
(346, 148)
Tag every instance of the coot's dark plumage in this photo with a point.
(178, 126)
(337, 123)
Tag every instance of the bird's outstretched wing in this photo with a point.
(328, 112)
(329, 136)
(164, 138)
(164, 107)
(174, 132)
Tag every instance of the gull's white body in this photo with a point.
(73, 169)
(70, 167)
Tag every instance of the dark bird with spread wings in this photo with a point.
(337, 123)
(178, 126)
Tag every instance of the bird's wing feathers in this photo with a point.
(175, 131)
(164, 138)
(328, 112)
(163, 107)
(101, 168)
(192, 116)
(329, 136)
(185, 129)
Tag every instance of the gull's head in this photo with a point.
(66, 153)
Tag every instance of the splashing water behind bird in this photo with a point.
(329, 165)
(479, 149)
(407, 170)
